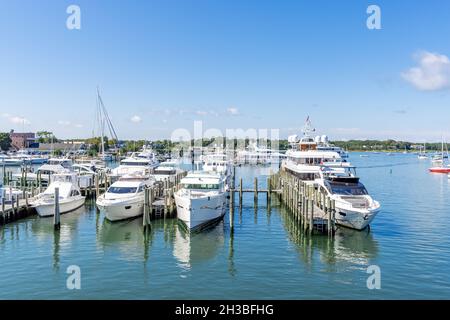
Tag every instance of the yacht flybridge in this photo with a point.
(327, 170)
(135, 165)
(202, 199)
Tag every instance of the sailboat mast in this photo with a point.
(101, 122)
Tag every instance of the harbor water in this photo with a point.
(267, 256)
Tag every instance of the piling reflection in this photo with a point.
(194, 248)
(43, 229)
(347, 245)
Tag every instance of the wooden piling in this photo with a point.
(57, 218)
(240, 192)
(255, 196)
(147, 206)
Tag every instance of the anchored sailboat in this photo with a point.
(438, 161)
(104, 121)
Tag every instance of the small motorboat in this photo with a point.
(70, 197)
(440, 169)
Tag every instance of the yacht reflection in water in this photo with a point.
(347, 246)
(193, 248)
(133, 243)
(126, 236)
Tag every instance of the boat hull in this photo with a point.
(357, 220)
(197, 213)
(121, 210)
(65, 206)
(440, 170)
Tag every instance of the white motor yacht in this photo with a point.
(218, 163)
(141, 165)
(70, 197)
(355, 208)
(202, 199)
(124, 199)
(258, 155)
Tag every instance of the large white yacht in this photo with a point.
(355, 208)
(70, 197)
(327, 170)
(202, 199)
(258, 155)
(167, 170)
(124, 198)
(324, 145)
(141, 163)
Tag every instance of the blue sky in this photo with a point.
(244, 64)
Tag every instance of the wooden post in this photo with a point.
(333, 213)
(255, 196)
(17, 204)
(240, 192)
(25, 179)
(97, 187)
(150, 202)
(305, 213)
(311, 217)
(232, 210)
(165, 202)
(56, 220)
(26, 198)
(146, 218)
(328, 211)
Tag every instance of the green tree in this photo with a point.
(5, 141)
(46, 137)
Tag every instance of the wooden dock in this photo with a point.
(161, 199)
(312, 208)
(15, 210)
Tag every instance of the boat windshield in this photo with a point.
(200, 186)
(346, 189)
(122, 190)
(134, 164)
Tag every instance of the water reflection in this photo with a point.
(43, 229)
(347, 245)
(127, 236)
(190, 249)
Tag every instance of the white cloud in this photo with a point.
(431, 74)
(16, 120)
(233, 111)
(64, 123)
(201, 113)
(78, 125)
(135, 119)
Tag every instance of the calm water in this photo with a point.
(266, 257)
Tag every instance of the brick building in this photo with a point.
(22, 140)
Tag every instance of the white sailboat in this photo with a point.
(104, 121)
(423, 155)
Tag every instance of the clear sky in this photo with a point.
(161, 64)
